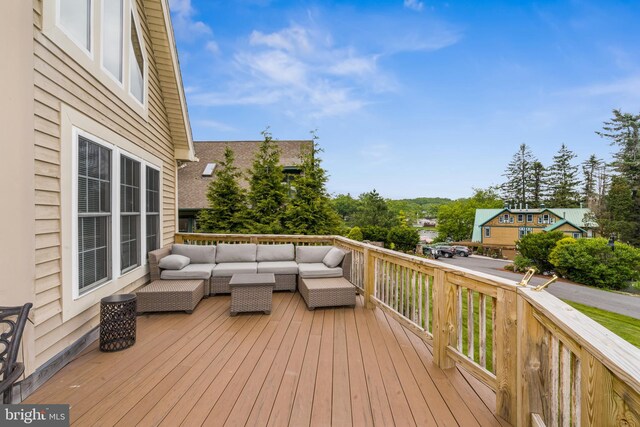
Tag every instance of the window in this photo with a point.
(153, 208)
(74, 16)
(577, 235)
(520, 217)
(112, 34)
(208, 170)
(129, 213)
(544, 219)
(529, 217)
(505, 219)
(523, 231)
(487, 232)
(136, 64)
(94, 214)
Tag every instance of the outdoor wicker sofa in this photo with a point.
(216, 265)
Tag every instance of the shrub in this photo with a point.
(592, 262)
(355, 234)
(537, 246)
(522, 264)
(375, 233)
(403, 238)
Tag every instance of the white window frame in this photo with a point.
(73, 124)
(121, 84)
(76, 42)
(577, 235)
(92, 61)
(520, 217)
(529, 217)
(144, 209)
(487, 232)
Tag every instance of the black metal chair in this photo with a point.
(12, 322)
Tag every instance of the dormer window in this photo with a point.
(208, 169)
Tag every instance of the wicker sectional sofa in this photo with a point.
(217, 264)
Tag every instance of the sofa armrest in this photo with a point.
(346, 266)
(154, 259)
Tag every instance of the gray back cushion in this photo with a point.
(305, 254)
(333, 258)
(276, 252)
(242, 252)
(198, 254)
(173, 262)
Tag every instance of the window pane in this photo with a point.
(112, 37)
(75, 18)
(153, 209)
(129, 213)
(136, 63)
(93, 253)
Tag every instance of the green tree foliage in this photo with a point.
(346, 206)
(421, 207)
(355, 234)
(618, 217)
(227, 211)
(455, 219)
(517, 188)
(373, 211)
(590, 173)
(537, 247)
(537, 185)
(403, 238)
(592, 262)
(563, 180)
(311, 210)
(375, 233)
(267, 195)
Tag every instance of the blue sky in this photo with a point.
(413, 98)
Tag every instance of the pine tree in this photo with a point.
(537, 185)
(590, 170)
(267, 195)
(310, 210)
(373, 211)
(517, 189)
(227, 211)
(563, 180)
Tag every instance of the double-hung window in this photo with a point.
(129, 213)
(94, 214)
(487, 232)
(153, 208)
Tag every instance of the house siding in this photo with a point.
(58, 80)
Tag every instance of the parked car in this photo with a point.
(462, 251)
(446, 251)
(430, 251)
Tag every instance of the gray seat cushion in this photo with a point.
(228, 269)
(311, 254)
(278, 267)
(191, 271)
(242, 252)
(198, 254)
(318, 270)
(276, 252)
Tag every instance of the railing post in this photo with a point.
(253, 239)
(178, 238)
(506, 355)
(369, 278)
(533, 366)
(445, 328)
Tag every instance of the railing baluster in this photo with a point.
(470, 325)
(555, 372)
(459, 317)
(414, 279)
(565, 387)
(575, 392)
(483, 330)
(401, 284)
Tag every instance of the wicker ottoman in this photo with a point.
(251, 292)
(170, 295)
(327, 292)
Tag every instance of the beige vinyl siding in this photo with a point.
(59, 79)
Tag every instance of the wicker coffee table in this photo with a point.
(327, 292)
(251, 292)
(170, 295)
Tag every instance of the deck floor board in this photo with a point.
(342, 366)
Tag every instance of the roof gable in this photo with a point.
(563, 222)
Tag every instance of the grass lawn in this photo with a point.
(624, 326)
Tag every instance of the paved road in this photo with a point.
(618, 303)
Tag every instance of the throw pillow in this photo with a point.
(174, 262)
(333, 258)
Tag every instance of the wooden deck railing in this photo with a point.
(548, 363)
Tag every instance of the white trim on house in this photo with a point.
(74, 123)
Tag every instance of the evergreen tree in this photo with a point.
(538, 184)
(618, 218)
(310, 210)
(563, 180)
(373, 211)
(518, 187)
(227, 211)
(267, 195)
(346, 206)
(590, 170)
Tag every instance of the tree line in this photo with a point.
(609, 189)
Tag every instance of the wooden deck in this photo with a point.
(295, 367)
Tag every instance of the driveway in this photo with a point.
(628, 305)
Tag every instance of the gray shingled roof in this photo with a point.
(192, 186)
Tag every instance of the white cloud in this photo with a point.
(185, 25)
(414, 5)
(212, 47)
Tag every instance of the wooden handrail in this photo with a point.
(549, 363)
